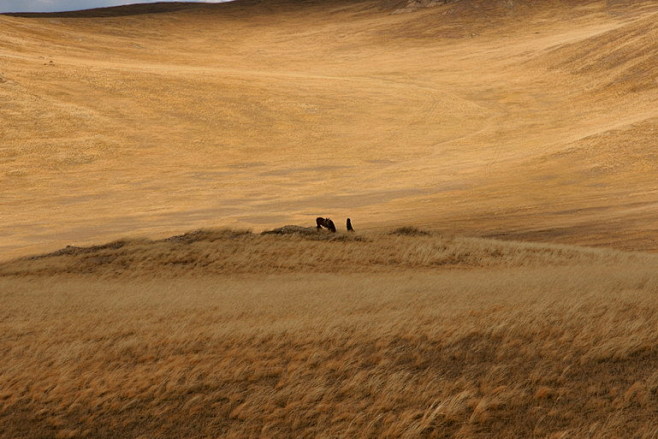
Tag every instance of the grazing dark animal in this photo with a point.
(349, 225)
(326, 223)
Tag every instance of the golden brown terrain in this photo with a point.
(522, 119)
(475, 119)
(229, 334)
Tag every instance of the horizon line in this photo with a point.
(104, 4)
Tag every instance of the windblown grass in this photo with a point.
(522, 352)
(364, 336)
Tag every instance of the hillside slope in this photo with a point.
(530, 120)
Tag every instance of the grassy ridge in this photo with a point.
(225, 251)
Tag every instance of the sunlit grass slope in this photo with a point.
(525, 119)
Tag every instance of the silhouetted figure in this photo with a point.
(349, 225)
(326, 223)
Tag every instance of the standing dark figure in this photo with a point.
(349, 225)
(327, 223)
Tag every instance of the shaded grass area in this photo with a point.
(510, 353)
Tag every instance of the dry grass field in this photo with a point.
(225, 334)
(479, 125)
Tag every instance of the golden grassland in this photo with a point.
(522, 119)
(221, 333)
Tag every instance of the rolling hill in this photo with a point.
(528, 120)
(434, 125)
